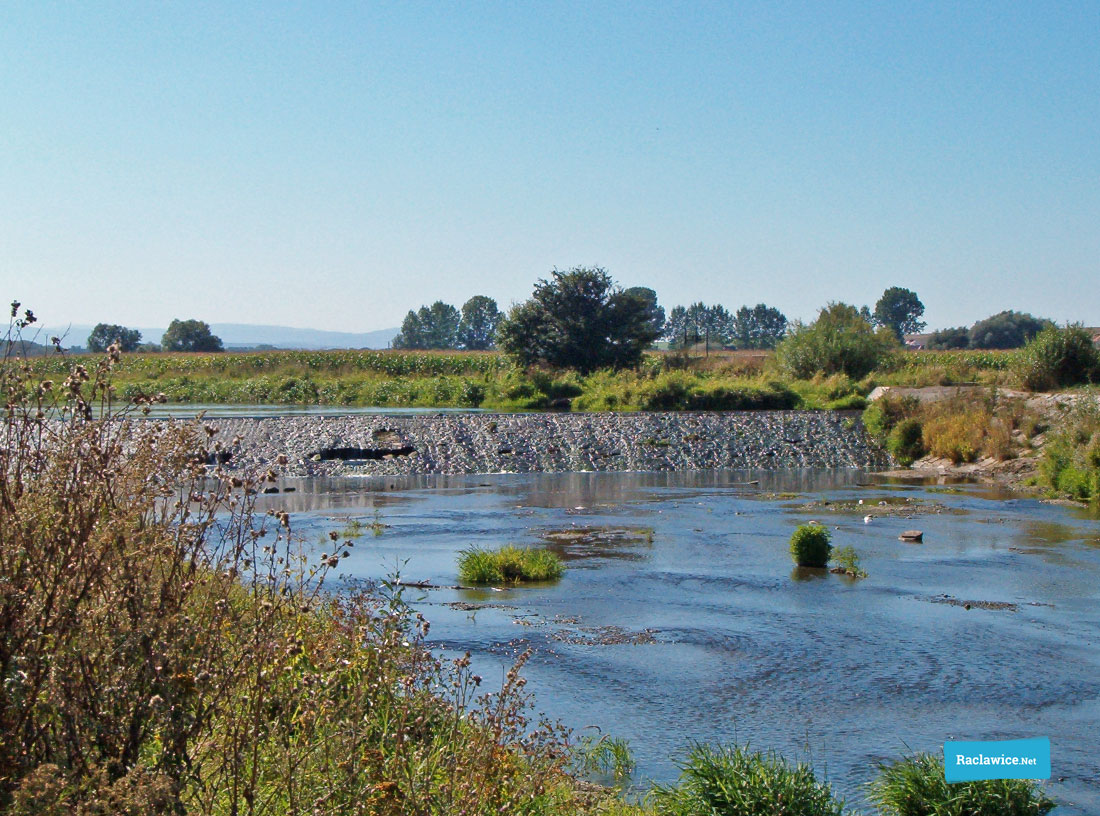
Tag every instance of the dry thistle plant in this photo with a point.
(165, 648)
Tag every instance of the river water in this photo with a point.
(680, 616)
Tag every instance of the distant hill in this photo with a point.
(238, 335)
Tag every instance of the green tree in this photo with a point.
(760, 327)
(899, 310)
(104, 334)
(944, 339)
(839, 341)
(190, 335)
(655, 313)
(1006, 330)
(578, 319)
(429, 327)
(699, 323)
(477, 328)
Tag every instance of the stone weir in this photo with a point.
(521, 443)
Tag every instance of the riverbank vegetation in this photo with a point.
(490, 380)
(167, 649)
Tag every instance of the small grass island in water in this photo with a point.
(508, 565)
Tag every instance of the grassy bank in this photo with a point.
(665, 381)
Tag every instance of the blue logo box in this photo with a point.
(1004, 759)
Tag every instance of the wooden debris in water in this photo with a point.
(912, 535)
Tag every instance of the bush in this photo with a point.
(883, 414)
(840, 341)
(905, 442)
(847, 561)
(736, 782)
(508, 565)
(810, 545)
(1057, 358)
(958, 436)
(915, 786)
(1070, 464)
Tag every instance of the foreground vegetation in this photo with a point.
(168, 650)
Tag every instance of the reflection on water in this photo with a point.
(680, 616)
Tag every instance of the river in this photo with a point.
(681, 617)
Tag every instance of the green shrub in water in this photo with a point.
(733, 781)
(508, 565)
(915, 786)
(906, 441)
(847, 559)
(810, 545)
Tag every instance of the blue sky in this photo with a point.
(334, 165)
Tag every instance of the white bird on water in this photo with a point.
(866, 519)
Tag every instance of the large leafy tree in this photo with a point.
(104, 334)
(899, 310)
(1006, 330)
(655, 313)
(760, 327)
(477, 328)
(429, 327)
(578, 319)
(190, 335)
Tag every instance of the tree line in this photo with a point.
(182, 335)
(581, 318)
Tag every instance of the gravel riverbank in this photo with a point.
(518, 443)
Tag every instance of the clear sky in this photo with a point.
(333, 165)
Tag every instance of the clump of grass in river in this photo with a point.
(915, 786)
(508, 565)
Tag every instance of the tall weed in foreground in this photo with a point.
(734, 781)
(166, 649)
(915, 786)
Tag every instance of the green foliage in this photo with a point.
(906, 441)
(847, 560)
(605, 756)
(946, 339)
(190, 335)
(699, 323)
(578, 319)
(508, 565)
(882, 415)
(810, 545)
(760, 327)
(1058, 357)
(915, 786)
(105, 334)
(477, 329)
(839, 341)
(1005, 330)
(653, 313)
(733, 781)
(430, 327)
(1070, 464)
(852, 402)
(899, 310)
